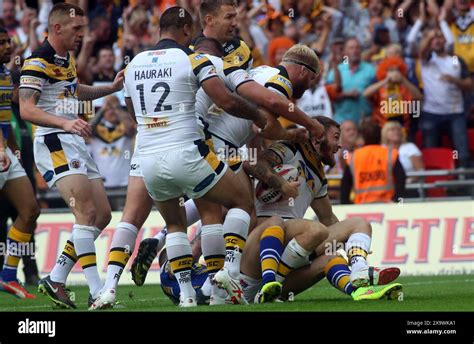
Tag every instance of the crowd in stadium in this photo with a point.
(395, 75)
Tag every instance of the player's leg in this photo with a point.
(212, 245)
(302, 238)
(20, 194)
(239, 201)
(178, 248)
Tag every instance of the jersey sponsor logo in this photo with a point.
(133, 167)
(156, 53)
(198, 57)
(58, 61)
(30, 81)
(154, 60)
(157, 123)
(153, 74)
(285, 81)
(35, 63)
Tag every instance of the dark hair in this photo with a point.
(212, 6)
(64, 9)
(104, 47)
(370, 132)
(2, 30)
(175, 18)
(327, 122)
(211, 43)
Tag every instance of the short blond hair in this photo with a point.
(390, 125)
(303, 55)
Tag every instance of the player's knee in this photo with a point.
(318, 232)
(362, 225)
(85, 214)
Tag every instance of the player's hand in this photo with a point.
(289, 190)
(118, 81)
(299, 135)
(4, 161)
(78, 127)
(317, 130)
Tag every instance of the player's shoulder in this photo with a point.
(283, 148)
(279, 79)
(45, 51)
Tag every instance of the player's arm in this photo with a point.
(279, 105)
(231, 102)
(262, 170)
(30, 112)
(323, 209)
(86, 92)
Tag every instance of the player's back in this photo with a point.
(162, 84)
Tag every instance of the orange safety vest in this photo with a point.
(372, 171)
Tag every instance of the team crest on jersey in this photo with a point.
(70, 89)
(75, 163)
(154, 60)
(35, 63)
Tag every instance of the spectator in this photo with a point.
(408, 153)
(356, 75)
(375, 172)
(444, 79)
(9, 17)
(394, 97)
(277, 48)
(111, 143)
(462, 29)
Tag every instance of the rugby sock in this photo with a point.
(294, 256)
(84, 237)
(236, 229)
(179, 254)
(213, 250)
(357, 248)
(123, 244)
(16, 244)
(65, 263)
(339, 275)
(271, 248)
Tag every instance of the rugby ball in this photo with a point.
(266, 194)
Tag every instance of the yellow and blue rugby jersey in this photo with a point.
(6, 95)
(463, 33)
(56, 78)
(162, 84)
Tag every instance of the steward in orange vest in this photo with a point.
(374, 173)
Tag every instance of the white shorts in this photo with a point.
(190, 171)
(228, 152)
(135, 170)
(250, 286)
(14, 171)
(60, 154)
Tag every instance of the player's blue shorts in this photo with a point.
(170, 285)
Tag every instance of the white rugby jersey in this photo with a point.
(162, 84)
(238, 131)
(313, 182)
(55, 77)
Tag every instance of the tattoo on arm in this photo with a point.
(29, 93)
(263, 169)
(86, 92)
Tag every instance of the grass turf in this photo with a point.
(421, 293)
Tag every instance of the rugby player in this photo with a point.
(14, 184)
(49, 98)
(289, 245)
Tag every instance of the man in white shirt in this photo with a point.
(444, 77)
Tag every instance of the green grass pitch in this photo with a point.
(422, 293)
